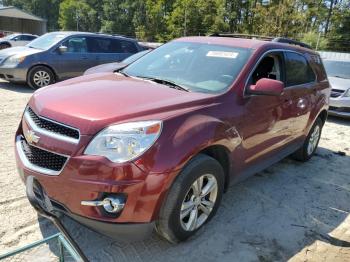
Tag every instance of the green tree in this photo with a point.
(118, 16)
(77, 15)
(315, 40)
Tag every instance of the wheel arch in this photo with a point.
(44, 65)
(6, 43)
(221, 154)
(323, 115)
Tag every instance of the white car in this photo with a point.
(338, 72)
(16, 40)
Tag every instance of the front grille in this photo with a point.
(43, 158)
(336, 92)
(52, 126)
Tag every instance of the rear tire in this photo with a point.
(311, 142)
(40, 76)
(186, 209)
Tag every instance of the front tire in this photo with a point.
(311, 142)
(4, 45)
(40, 76)
(192, 200)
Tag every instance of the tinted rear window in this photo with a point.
(298, 70)
(110, 45)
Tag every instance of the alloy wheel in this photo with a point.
(313, 140)
(198, 202)
(41, 78)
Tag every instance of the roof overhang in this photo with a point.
(13, 12)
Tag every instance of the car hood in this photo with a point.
(19, 50)
(105, 68)
(95, 101)
(339, 83)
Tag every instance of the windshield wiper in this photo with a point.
(166, 82)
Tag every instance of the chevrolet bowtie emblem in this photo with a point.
(31, 137)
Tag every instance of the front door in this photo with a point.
(265, 124)
(19, 41)
(76, 59)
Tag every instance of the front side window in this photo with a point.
(199, 67)
(298, 70)
(269, 67)
(76, 45)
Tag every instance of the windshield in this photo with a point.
(198, 67)
(134, 57)
(9, 37)
(46, 41)
(337, 68)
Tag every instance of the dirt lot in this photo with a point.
(291, 211)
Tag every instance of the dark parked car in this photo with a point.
(62, 55)
(112, 67)
(16, 40)
(157, 145)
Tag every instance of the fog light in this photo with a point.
(112, 204)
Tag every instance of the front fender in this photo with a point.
(183, 138)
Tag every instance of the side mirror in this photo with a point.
(267, 86)
(62, 49)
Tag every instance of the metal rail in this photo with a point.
(64, 238)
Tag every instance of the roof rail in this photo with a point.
(265, 38)
(290, 42)
(247, 36)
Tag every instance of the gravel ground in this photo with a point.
(290, 211)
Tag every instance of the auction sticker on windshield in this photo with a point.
(222, 54)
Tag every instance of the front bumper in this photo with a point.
(13, 74)
(92, 178)
(339, 106)
(53, 210)
(88, 178)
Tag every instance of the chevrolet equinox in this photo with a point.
(155, 144)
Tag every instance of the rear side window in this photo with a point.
(28, 37)
(110, 45)
(101, 45)
(128, 47)
(298, 70)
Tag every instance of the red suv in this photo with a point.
(156, 144)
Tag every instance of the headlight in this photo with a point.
(14, 60)
(124, 142)
(347, 93)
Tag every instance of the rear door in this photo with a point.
(77, 58)
(300, 85)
